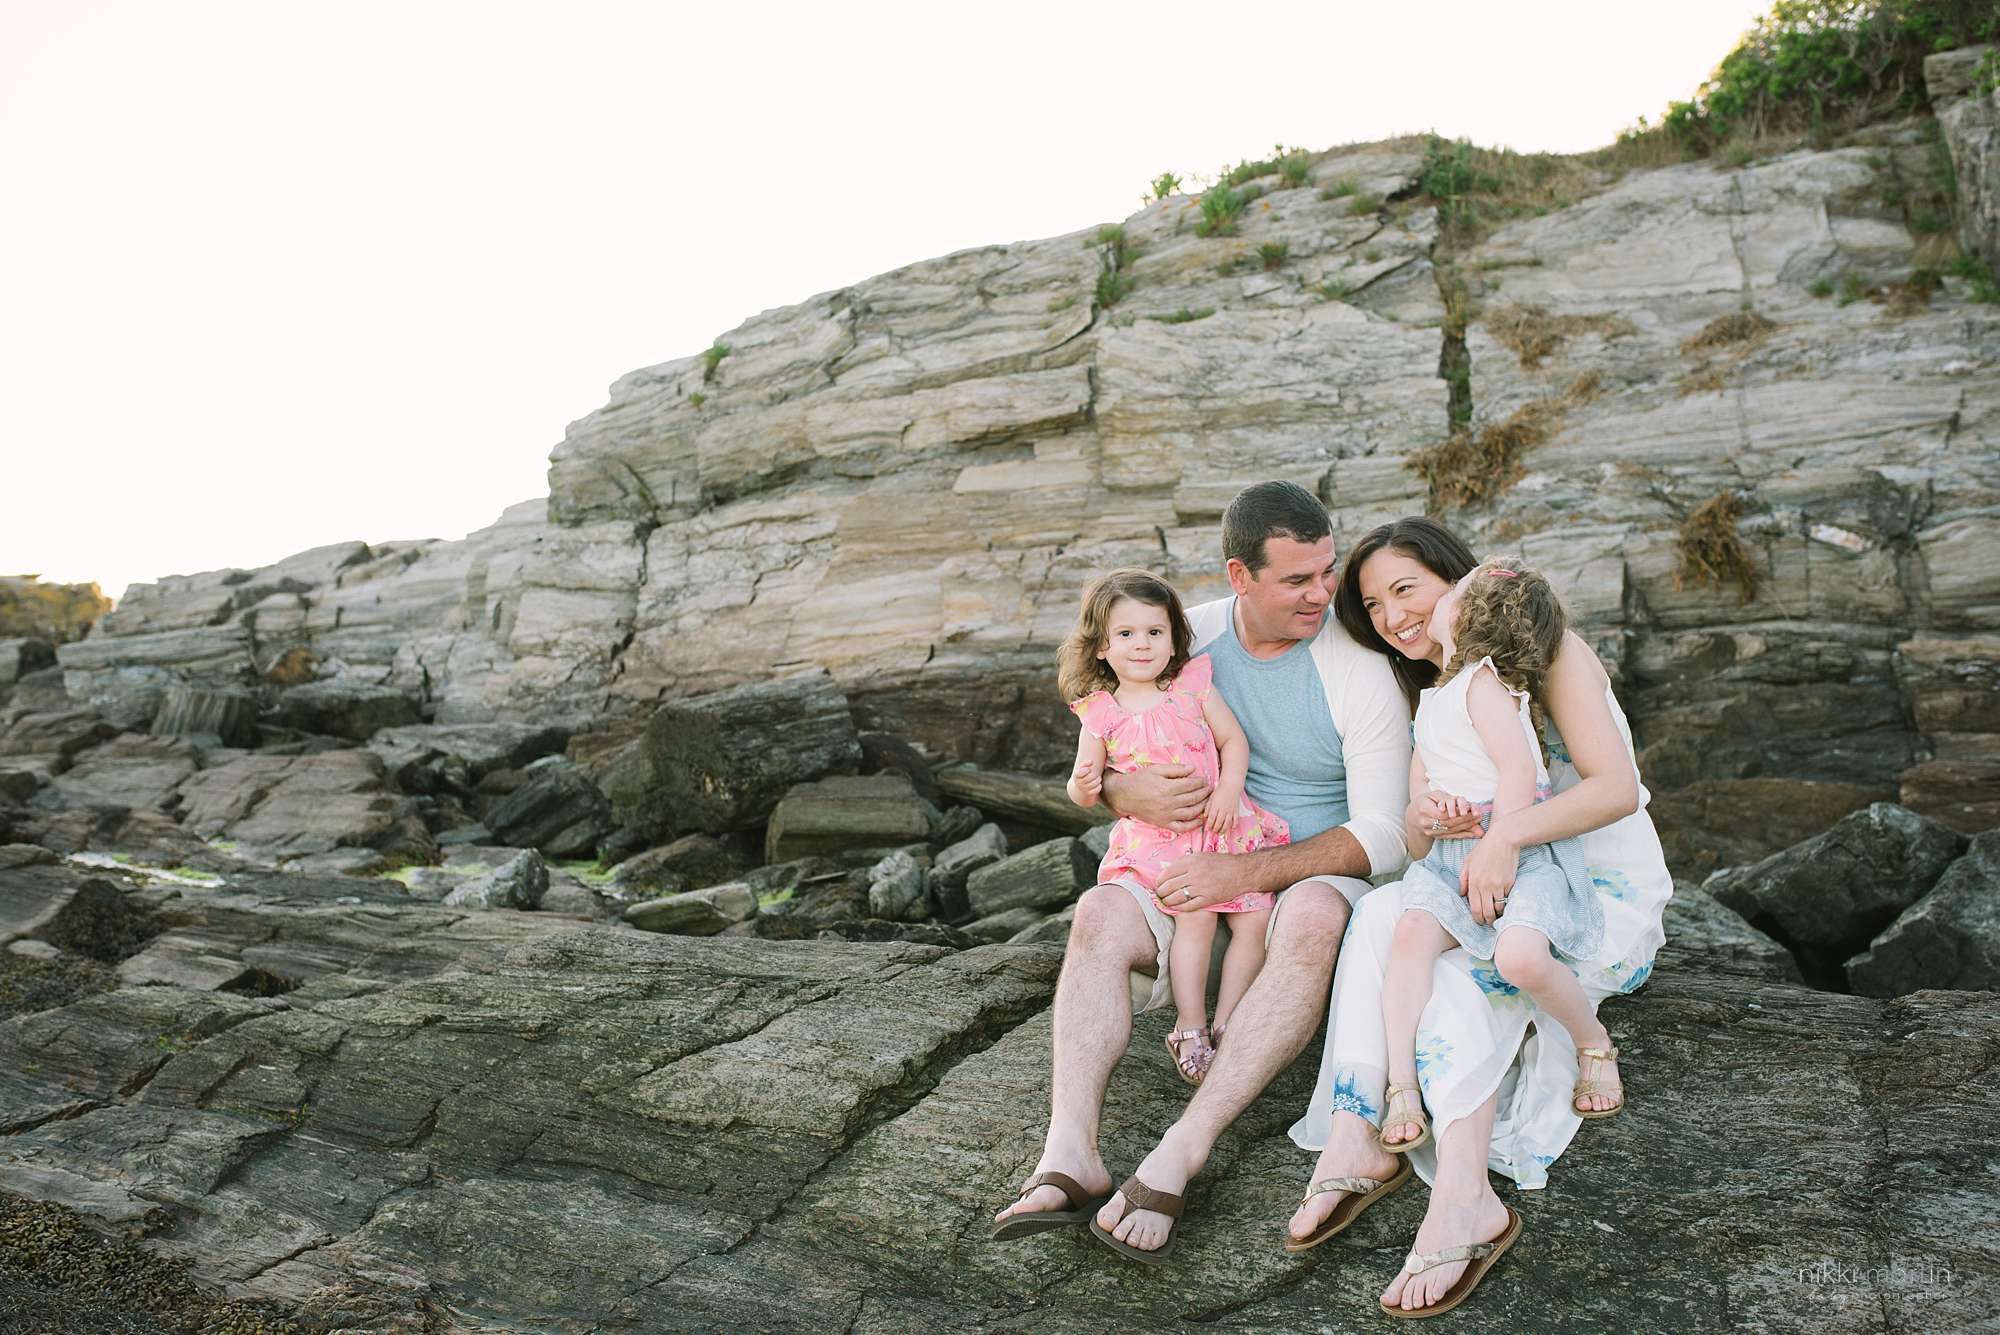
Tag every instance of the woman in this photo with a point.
(1500, 1096)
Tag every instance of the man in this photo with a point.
(1330, 752)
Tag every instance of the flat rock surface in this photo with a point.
(520, 1124)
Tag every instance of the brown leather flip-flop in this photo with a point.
(1139, 1196)
(1482, 1255)
(1365, 1191)
(1041, 1221)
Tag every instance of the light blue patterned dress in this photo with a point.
(1552, 891)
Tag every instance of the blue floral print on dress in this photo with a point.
(1490, 982)
(1433, 1057)
(1347, 1095)
(1612, 883)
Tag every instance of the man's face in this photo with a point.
(1288, 598)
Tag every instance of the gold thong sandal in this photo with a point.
(1584, 1088)
(1423, 1136)
(1365, 1192)
(1481, 1254)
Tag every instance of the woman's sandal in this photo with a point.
(1482, 1255)
(1423, 1136)
(1191, 1067)
(1584, 1088)
(1362, 1193)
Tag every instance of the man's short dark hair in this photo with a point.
(1268, 510)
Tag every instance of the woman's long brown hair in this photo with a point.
(1432, 546)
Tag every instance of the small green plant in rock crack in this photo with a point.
(1184, 315)
(1221, 205)
(1334, 289)
(1292, 170)
(1274, 253)
(1363, 203)
(1984, 287)
(697, 398)
(1165, 184)
(1820, 287)
(712, 359)
(1852, 288)
(1340, 189)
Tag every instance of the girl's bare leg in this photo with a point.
(1187, 968)
(1241, 961)
(1406, 990)
(1524, 959)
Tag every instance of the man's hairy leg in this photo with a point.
(1093, 1023)
(1275, 1019)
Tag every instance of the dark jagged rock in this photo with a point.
(350, 709)
(1700, 926)
(1734, 822)
(724, 761)
(1948, 939)
(21, 655)
(688, 863)
(1829, 895)
(945, 882)
(558, 810)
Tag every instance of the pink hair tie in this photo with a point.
(1503, 574)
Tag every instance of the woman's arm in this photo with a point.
(1086, 779)
(1609, 791)
(1496, 718)
(1232, 754)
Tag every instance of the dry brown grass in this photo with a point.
(1473, 467)
(1710, 550)
(1704, 379)
(1909, 297)
(1533, 334)
(1738, 332)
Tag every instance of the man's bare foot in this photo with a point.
(1449, 1222)
(1167, 1169)
(1350, 1151)
(1088, 1170)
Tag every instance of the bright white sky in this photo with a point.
(275, 273)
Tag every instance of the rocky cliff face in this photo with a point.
(904, 482)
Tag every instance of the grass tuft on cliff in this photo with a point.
(1473, 467)
(1710, 550)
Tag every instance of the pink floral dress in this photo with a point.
(1173, 732)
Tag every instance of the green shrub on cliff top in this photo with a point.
(1821, 65)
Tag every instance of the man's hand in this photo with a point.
(1488, 876)
(1202, 879)
(1172, 797)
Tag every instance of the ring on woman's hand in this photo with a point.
(1437, 827)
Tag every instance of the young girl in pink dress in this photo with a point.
(1143, 700)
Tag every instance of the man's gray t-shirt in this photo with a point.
(1296, 763)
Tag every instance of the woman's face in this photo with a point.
(1402, 596)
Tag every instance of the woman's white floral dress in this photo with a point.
(1479, 1034)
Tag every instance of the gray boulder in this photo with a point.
(131, 770)
(1028, 798)
(896, 888)
(851, 815)
(21, 655)
(1948, 939)
(697, 912)
(558, 810)
(1835, 891)
(1044, 877)
(518, 884)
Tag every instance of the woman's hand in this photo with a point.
(1488, 876)
(1442, 816)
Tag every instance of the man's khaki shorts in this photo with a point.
(1150, 993)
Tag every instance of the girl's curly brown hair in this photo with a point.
(1079, 670)
(1510, 614)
